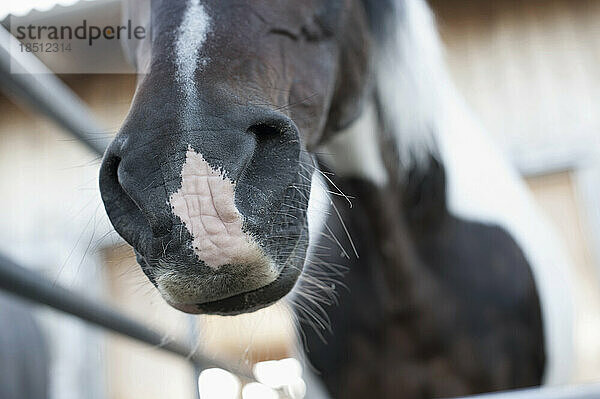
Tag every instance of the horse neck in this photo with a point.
(384, 238)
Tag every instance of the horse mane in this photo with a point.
(377, 12)
(410, 76)
(423, 111)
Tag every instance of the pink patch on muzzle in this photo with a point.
(206, 206)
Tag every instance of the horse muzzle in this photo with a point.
(217, 219)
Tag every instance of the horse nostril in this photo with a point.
(265, 130)
(123, 212)
(273, 127)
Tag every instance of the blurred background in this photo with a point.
(529, 69)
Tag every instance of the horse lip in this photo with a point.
(193, 307)
(186, 308)
(242, 302)
(219, 305)
(205, 307)
(244, 305)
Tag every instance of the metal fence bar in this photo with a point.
(30, 285)
(23, 75)
(585, 391)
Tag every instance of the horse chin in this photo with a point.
(247, 301)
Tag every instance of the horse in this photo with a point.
(430, 266)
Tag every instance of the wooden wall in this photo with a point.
(528, 68)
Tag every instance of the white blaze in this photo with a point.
(205, 204)
(191, 36)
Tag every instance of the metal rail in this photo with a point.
(585, 391)
(29, 285)
(24, 76)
